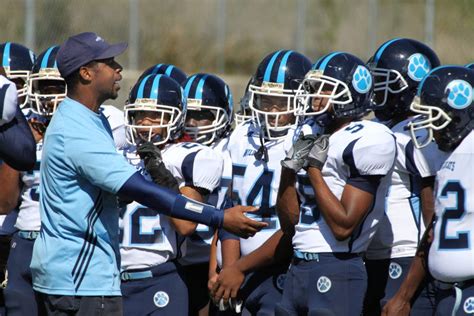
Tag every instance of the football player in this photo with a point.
(208, 122)
(256, 149)
(150, 246)
(46, 88)
(398, 66)
(444, 100)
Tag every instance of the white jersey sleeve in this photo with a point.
(193, 164)
(116, 120)
(451, 256)
(8, 100)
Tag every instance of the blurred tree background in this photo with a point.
(230, 37)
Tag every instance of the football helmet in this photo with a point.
(273, 89)
(244, 113)
(161, 99)
(163, 69)
(46, 87)
(17, 60)
(445, 102)
(209, 99)
(340, 81)
(470, 66)
(398, 66)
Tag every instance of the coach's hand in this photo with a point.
(396, 306)
(237, 223)
(228, 284)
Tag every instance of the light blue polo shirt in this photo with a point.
(77, 251)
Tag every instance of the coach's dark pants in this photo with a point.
(62, 305)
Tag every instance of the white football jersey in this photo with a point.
(361, 148)
(9, 100)
(451, 257)
(29, 210)
(402, 226)
(255, 182)
(202, 167)
(148, 239)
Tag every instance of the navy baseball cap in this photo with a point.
(81, 49)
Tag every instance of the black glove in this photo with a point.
(151, 156)
(319, 152)
(297, 156)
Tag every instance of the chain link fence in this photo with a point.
(230, 37)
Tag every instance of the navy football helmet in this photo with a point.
(275, 81)
(17, 60)
(244, 113)
(208, 98)
(445, 102)
(161, 99)
(163, 69)
(46, 87)
(340, 81)
(398, 66)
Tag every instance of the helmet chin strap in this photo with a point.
(262, 152)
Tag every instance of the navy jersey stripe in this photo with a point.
(348, 157)
(187, 168)
(3, 92)
(410, 159)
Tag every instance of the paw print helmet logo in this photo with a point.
(459, 94)
(362, 80)
(418, 66)
(469, 305)
(339, 84)
(445, 103)
(398, 67)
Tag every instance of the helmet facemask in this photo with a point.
(163, 121)
(270, 104)
(318, 93)
(386, 81)
(46, 89)
(207, 133)
(432, 119)
(20, 78)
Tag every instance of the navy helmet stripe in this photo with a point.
(380, 51)
(327, 59)
(154, 93)
(188, 86)
(169, 69)
(6, 55)
(200, 87)
(269, 69)
(141, 88)
(282, 67)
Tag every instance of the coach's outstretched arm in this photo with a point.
(175, 205)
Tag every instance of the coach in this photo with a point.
(75, 263)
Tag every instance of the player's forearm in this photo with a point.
(287, 202)
(169, 203)
(427, 199)
(230, 249)
(334, 213)
(213, 256)
(277, 249)
(10, 192)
